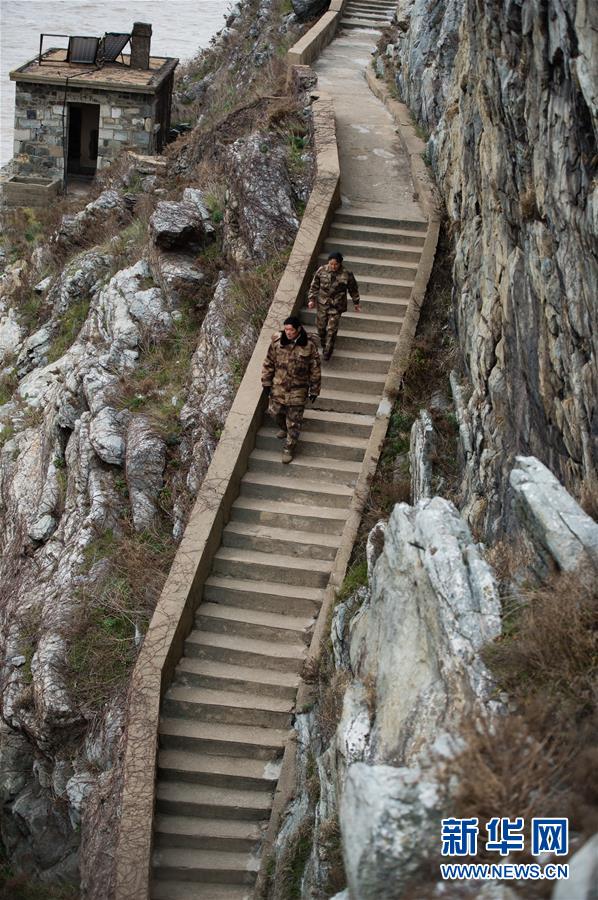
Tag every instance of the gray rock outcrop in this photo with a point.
(508, 96)
(176, 224)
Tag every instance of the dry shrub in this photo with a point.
(330, 703)
(286, 880)
(507, 558)
(541, 757)
(527, 204)
(130, 571)
(330, 843)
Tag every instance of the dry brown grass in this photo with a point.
(541, 757)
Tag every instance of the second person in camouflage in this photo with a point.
(328, 293)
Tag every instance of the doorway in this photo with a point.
(84, 124)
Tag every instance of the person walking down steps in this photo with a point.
(328, 293)
(291, 376)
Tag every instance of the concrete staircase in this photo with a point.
(227, 714)
(368, 13)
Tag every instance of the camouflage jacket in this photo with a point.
(330, 288)
(292, 369)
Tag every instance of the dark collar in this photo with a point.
(301, 341)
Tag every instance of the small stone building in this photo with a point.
(79, 115)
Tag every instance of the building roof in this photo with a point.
(54, 69)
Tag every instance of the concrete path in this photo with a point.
(228, 713)
(374, 171)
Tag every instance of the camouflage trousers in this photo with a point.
(289, 419)
(327, 322)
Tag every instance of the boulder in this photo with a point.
(107, 435)
(553, 519)
(434, 604)
(390, 817)
(309, 9)
(583, 874)
(175, 224)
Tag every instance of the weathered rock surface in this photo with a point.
(554, 521)
(176, 224)
(420, 449)
(508, 96)
(145, 461)
(583, 876)
(309, 9)
(434, 597)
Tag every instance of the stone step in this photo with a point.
(352, 360)
(352, 424)
(356, 11)
(190, 890)
(385, 287)
(313, 493)
(346, 401)
(385, 306)
(223, 676)
(226, 707)
(214, 866)
(362, 321)
(241, 651)
(372, 249)
(222, 740)
(386, 268)
(318, 443)
(366, 11)
(338, 379)
(298, 516)
(391, 236)
(253, 623)
(219, 771)
(357, 217)
(362, 341)
(304, 544)
(199, 833)
(267, 596)
(313, 468)
(230, 561)
(348, 22)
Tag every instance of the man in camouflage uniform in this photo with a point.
(328, 293)
(291, 374)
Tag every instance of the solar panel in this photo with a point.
(114, 44)
(83, 49)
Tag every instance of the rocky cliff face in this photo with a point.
(122, 340)
(507, 93)
(375, 753)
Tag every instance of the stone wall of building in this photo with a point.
(126, 120)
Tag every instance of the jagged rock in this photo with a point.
(175, 224)
(259, 217)
(391, 817)
(583, 874)
(196, 198)
(42, 286)
(107, 435)
(374, 547)
(309, 9)
(126, 310)
(34, 351)
(552, 517)
(145, 461)
(211, 391)
(434, 597)
(73, 227)
(43, 528)
(341, 617)
(525, 265)
(179, 274)
(421, 446)
(78, 789)
(10, 335)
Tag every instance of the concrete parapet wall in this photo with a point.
(173, 618)
(309, 47)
